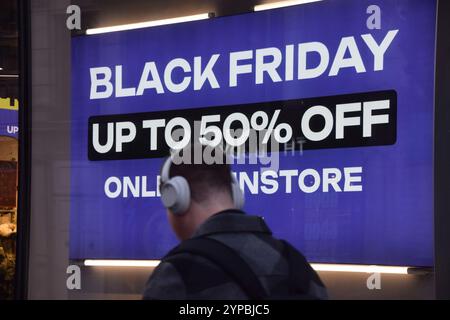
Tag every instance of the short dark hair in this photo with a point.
(204, 179)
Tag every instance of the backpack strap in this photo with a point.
(226, 259)
(301, 274)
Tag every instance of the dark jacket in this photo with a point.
(195, 277)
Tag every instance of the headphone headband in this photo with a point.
(175, 191)
(165, 171)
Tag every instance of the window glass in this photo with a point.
(9, 130)
(319, 103)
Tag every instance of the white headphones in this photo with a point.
(176, 195)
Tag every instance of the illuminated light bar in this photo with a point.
(316, 266)
(281, 4)
(121, 263)
(359, 268)
(154, 23)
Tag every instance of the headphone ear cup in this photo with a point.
(176, 195)
(238, 195)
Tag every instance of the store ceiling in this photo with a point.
(109, 12)
(99, 13)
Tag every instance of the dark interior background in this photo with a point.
(8, 49)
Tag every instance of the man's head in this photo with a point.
(209, 190)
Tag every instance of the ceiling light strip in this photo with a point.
(316, 266)
(281, 4)
(148, 24)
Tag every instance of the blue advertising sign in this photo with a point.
(9, 117)
(344, 88)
